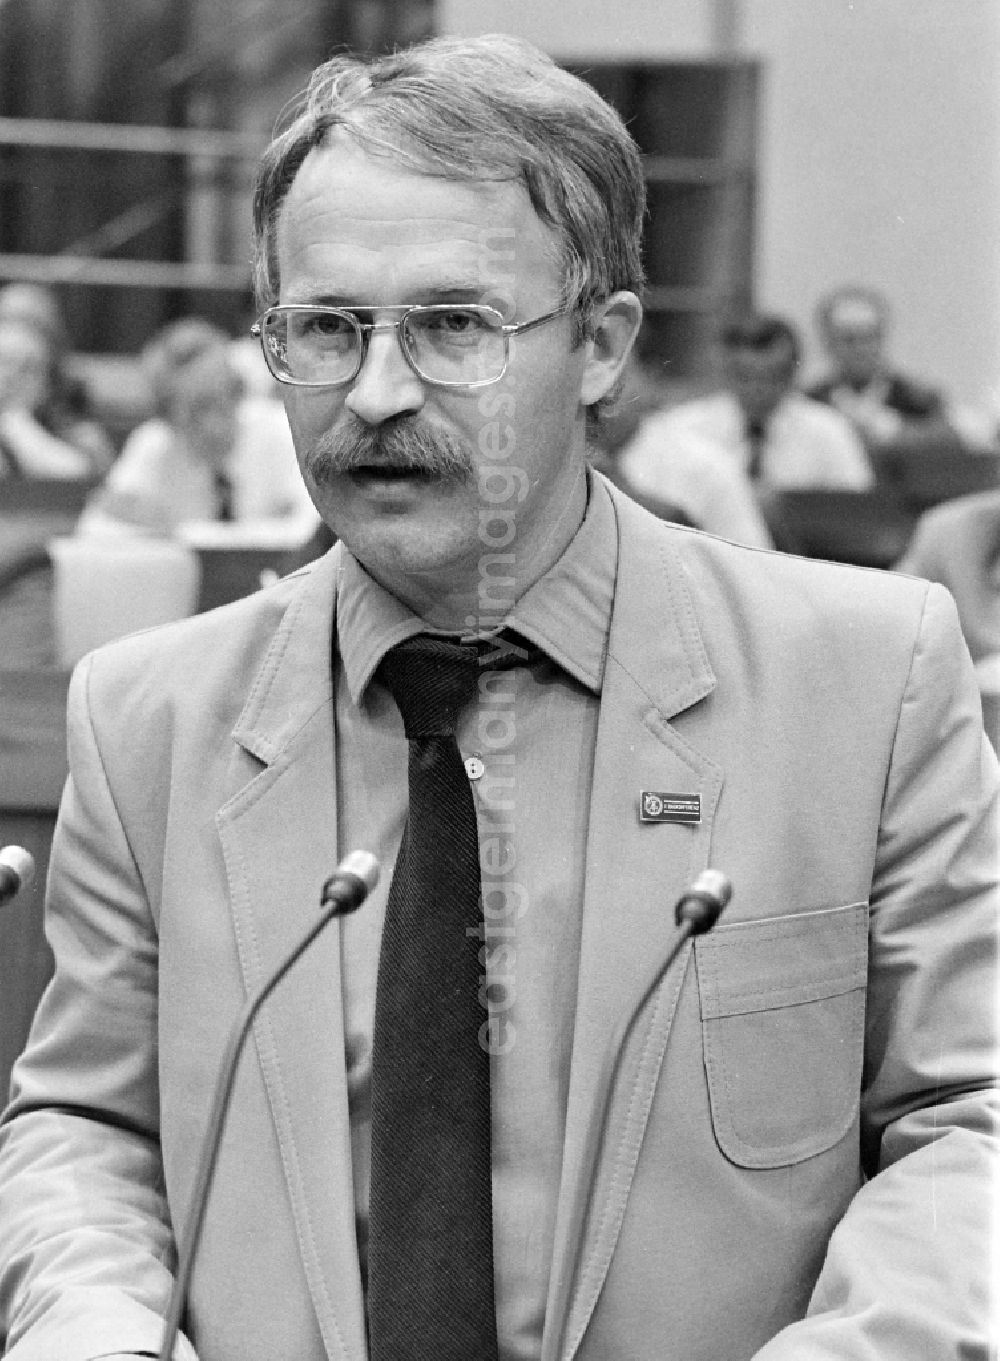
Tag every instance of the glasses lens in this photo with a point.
(312, 345)
(455, 344)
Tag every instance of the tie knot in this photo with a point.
(430, 679)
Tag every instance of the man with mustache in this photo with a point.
(777, 1146)
(397, 445)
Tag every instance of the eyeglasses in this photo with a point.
(444, 344)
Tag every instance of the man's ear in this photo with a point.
(614, 326)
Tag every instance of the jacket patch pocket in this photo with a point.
(783, 1018)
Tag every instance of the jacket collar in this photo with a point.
(666, 660)
(295, 678)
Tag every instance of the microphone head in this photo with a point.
(363, 865)
(21, 862)
(350, 884)
(703, 902)
(716, 885)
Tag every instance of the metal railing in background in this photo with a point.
(207, 154)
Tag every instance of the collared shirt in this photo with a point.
(159, 482)
(868, 408)
(694, 474)
(532, 731)
(807, 444)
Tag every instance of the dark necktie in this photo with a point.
(756, 439)
(223, 486)
(430, 1245)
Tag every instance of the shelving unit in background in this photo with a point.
(695, 122)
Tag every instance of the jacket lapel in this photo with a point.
(279, 839)
(636, 871)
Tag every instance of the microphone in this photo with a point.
(349, 885)
(344, 892)
(695, 912)
(701, 906)
(17, 871)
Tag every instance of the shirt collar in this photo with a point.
(567, 613)
(876, 390)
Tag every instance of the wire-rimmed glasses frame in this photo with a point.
(266, 325)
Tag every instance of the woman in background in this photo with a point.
(44, 430)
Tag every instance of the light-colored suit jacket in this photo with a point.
(795, 1162)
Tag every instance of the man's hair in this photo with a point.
(175, 347)
(491, 108)
(759, 332)
(869, 298)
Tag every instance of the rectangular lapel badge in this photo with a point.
(657, 807)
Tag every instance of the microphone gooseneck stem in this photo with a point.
(696, 912)
(333, 906)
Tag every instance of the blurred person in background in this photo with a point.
(34, 303)
(768, 431)
(210, 454)
(694, 484)
(45, 429)
(882, 403)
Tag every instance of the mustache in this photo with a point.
(398, 443)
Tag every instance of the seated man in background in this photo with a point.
(209, 455)
(882, 403)
(697, 485)
(766, 429)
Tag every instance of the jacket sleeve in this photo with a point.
(86, 1251)
(908, 1269)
